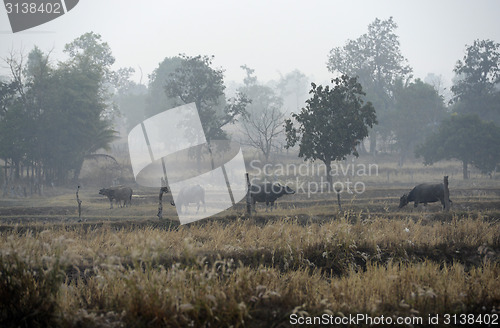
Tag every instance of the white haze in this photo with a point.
(273, 37)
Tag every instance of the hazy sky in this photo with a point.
(273, 37)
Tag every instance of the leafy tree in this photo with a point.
(157, 99)
(37, 98)
(418, 111)
(90, 54)
(27, 96)
(465, 138)
(196, 81)
(476, 90)
(130, 97)
(375, 58)
(84, 77)
(333, 123)
(73, 126)
(263, 123)
(56, 118)
(13, 141)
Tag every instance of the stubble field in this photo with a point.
(124, 267)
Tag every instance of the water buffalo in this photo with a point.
(268, 193)
(189, 195)
(119, 193)
(424, 193)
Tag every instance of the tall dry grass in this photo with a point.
(246, 274)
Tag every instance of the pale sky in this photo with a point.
(273, 37)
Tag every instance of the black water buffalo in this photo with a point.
(189, 195)
(424, 193)
(119, 193)
(268, 193)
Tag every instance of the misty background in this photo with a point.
(272, 37)
(96, 72)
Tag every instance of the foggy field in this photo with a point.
(340, 119)
(124, 267)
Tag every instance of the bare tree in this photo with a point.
(263, 128)
(264, 120)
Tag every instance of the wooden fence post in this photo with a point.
(446, 195)
(160, 202)
(338, 190)
(79, 202)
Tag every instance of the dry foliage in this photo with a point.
(243, 273)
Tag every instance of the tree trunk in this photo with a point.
(328, 165)
(464, 170)
(446, 195)
(373, 143)
(16, 172)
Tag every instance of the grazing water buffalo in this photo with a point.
(268, 193)
(424, 193)
(189, 195)
(119, 193)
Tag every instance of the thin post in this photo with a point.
(79, 202)
(249, 197)
(446, 195)
(337, 190)
(160, 202)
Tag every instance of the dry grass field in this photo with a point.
(305, 260)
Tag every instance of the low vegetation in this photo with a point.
(248, 271)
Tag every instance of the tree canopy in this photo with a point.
(195, 80)
(375, 58)
(418, 110)
(476, 90)
(333, 123)
(53, 117)
(465, 138)
(158, 100)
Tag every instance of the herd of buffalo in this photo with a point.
(268, 193)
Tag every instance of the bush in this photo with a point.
(28, 295)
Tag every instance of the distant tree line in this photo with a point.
(53, 117)
(472, 133)
(413, 116)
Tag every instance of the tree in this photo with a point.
(90, 54)
(85, 76)
(376, 59)
(27, 97)
(476, 90)
(263, 123)
(332, 124)
(57, 116)
(157, 99)
(196, 81)
(130, 97)
(293, 88)
(74, 126)
(418, 111)
(465, 138)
